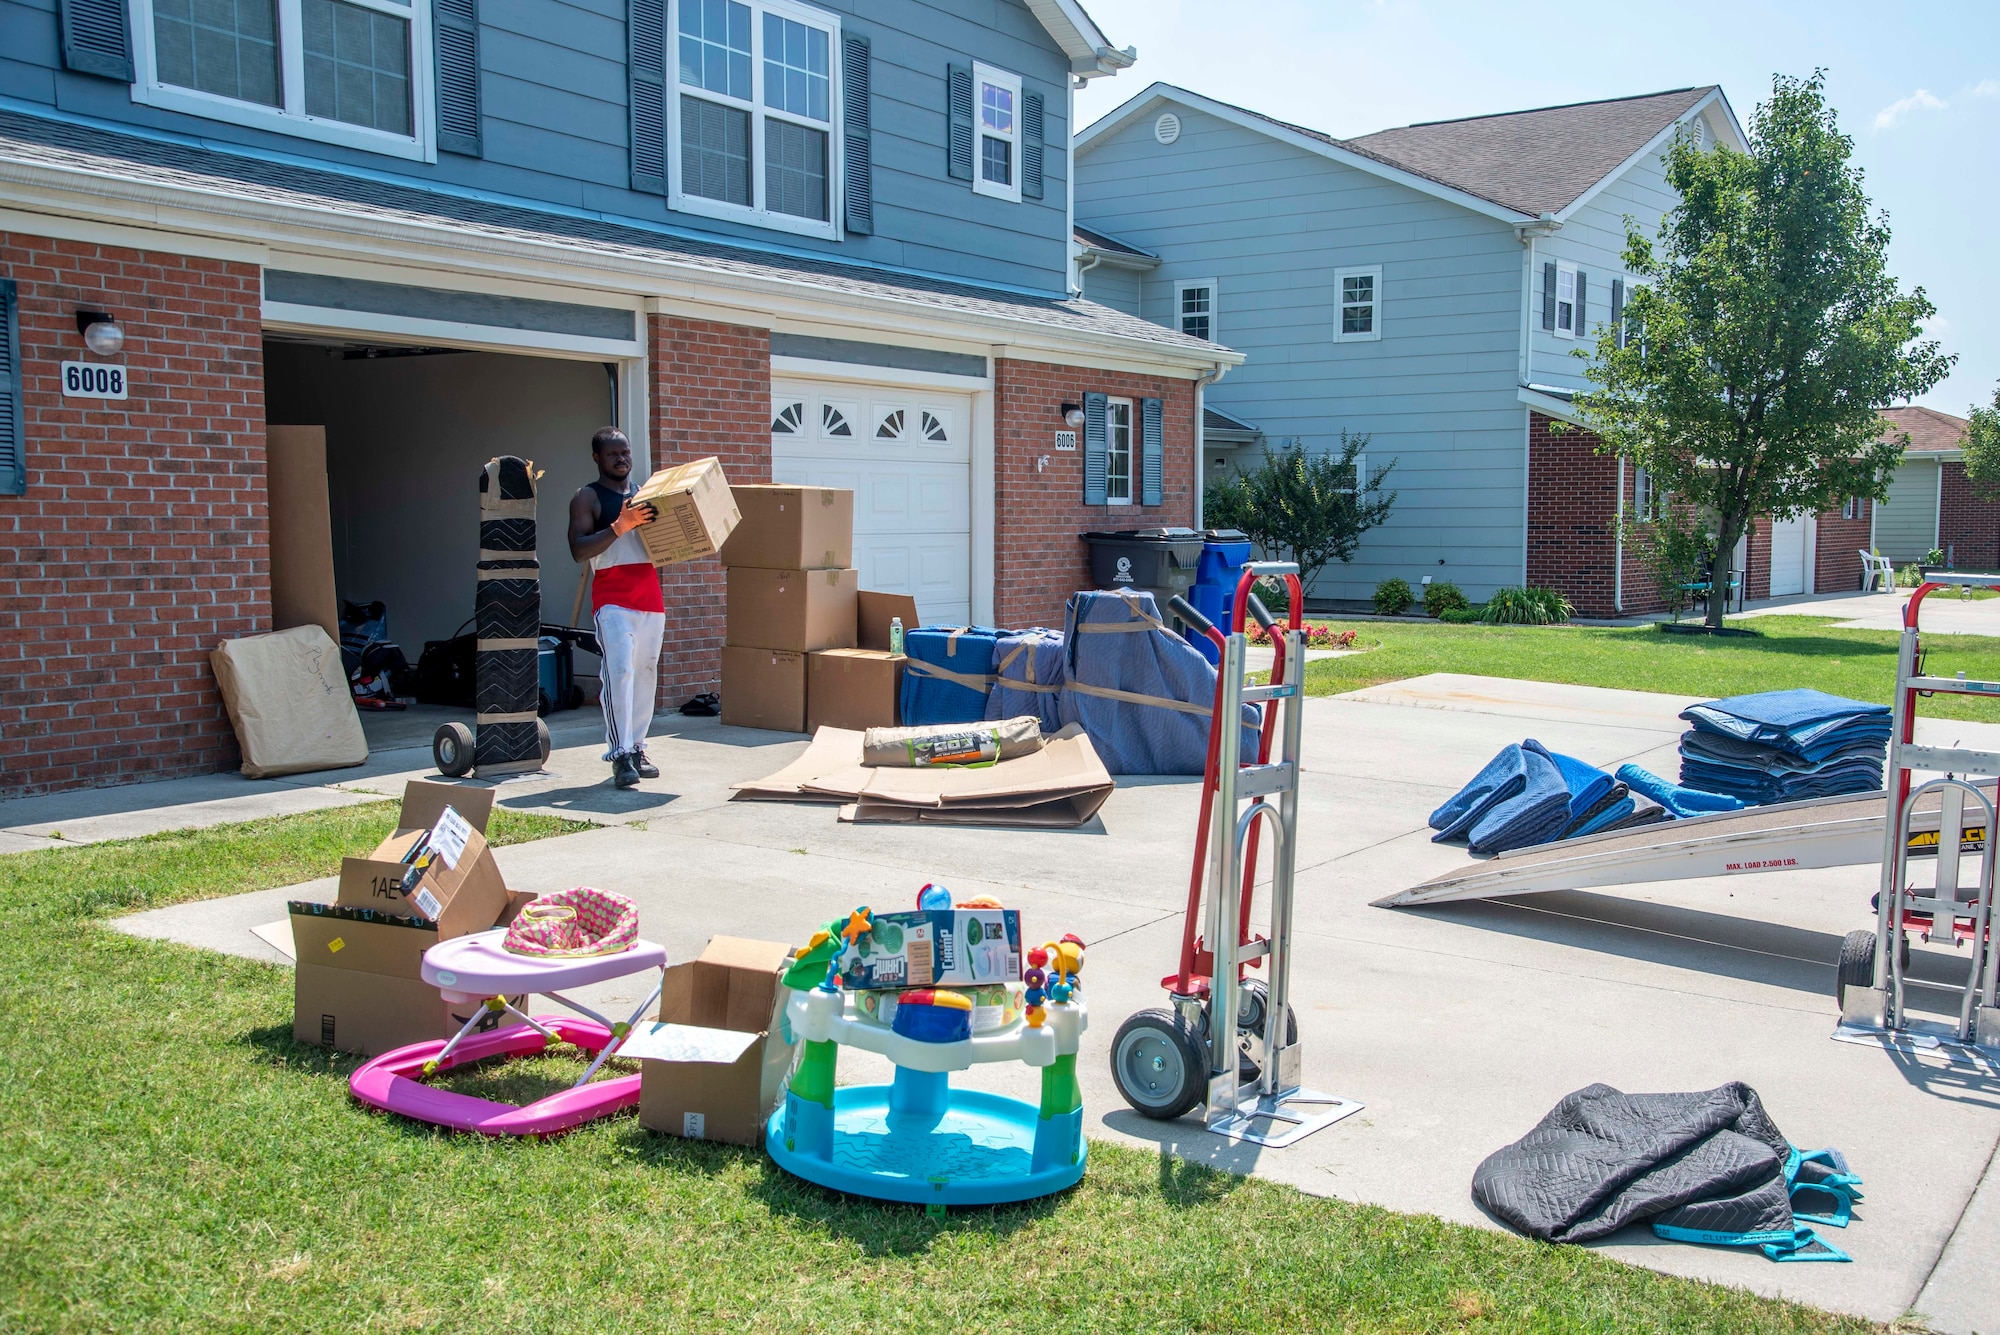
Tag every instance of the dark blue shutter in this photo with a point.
(1152, 452)
(1096, 450)
(1031, 146)
(857, 172)
(93, 38)
(1576, 319)
(646, 83)
(13, 437)
(1548, 296)
(1618, 310)
(958, 100)
(457, 24)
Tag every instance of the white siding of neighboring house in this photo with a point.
(1906, 523)
(1437, 392)
(1116, 288)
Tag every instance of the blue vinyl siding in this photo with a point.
(1437, 392)
(555, 125)
(1116, 288)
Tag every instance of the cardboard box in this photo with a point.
(708, 1085)
(369, 1014)
(468, 896)
(852, 688)
(947, 948)
(876, 613)
(696, 513)
(798, 610)
(792, 528)
(764, 688)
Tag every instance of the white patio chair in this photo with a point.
(1877, 568)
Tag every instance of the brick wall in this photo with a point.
(1968, 523)
(711, 396)
(1572, 513)
(142, 541)
(1038, 561)
(1837, 562)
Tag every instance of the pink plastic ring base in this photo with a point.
(392, 1083)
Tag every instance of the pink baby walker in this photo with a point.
(565, 940)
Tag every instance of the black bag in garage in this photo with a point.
(445, 671)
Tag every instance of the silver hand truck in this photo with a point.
(1957, 909)
(1241, 1060)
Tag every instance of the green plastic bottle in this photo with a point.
(896, 635)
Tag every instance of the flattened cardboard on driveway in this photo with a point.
(1060, 786)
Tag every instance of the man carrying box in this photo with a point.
(624, 600)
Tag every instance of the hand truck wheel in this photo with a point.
(543, 741)
(1158, 1064)
(451, 747)
(1253, 1003)
(1857, 963)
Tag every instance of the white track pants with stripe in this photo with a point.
(631, 643)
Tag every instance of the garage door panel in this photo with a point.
(907, 459)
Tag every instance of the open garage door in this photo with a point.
(906, 454)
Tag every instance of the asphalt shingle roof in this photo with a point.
(36, 141)
(1929, 430)
(1099, 241)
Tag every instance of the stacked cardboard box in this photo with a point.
(792, 591)
(359, 985)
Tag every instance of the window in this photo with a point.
(1358, 293)
(997, 108)
(1644, 501)
(350, 72)
(1194, 308)
(1566, 322)
(1851, 508)
(1118, 452)
(754, 91)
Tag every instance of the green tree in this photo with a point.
(1764, 332)
(1310, 509)
(1982, 446)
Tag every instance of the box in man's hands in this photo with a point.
(948, 948)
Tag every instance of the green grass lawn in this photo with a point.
(1786, 651)
(170, 1160)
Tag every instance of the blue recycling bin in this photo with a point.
(1223, 553)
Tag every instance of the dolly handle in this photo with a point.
(1257, 609)
(1185, 610)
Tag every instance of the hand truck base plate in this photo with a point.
(1925, 1038)
(1278, 1120)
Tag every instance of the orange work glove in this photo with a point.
(631, 517)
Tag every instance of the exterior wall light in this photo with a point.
(101, 334)
(1072, 416)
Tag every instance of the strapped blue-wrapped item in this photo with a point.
(1028, 677)
(947, 674)
(1142, 693)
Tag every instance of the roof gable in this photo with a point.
(1516, 165)
(1930, 431)
(1090, 52)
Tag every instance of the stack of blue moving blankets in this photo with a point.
(1784, 746)
(1529, 794)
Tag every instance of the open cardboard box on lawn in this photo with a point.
(465, 895)
(714, 1064)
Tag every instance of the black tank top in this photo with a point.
(609, 501)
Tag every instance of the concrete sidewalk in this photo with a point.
(1457, 1026)
(1943, 612)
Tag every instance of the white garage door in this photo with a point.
(1788, 557)
(907, 456)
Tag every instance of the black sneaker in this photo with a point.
(647, 769)
(624, 773)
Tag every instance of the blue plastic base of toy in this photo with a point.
(980, 1150)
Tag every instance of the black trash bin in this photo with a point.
(1164, 560)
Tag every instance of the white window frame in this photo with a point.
(291, 118)
(756, 215)
(1645, 496)
(1111, 405)
(1360, 482)
(1566, 273)
(982, 75)
(1187, 285)
(1340, 277)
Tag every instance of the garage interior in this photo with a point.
(408, 430)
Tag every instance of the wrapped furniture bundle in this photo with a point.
(1028, 676)
(947, 673)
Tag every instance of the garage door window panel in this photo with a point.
(757, 84)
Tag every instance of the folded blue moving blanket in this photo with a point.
(1614, 806)
(1587, 784)
(1807, 723)
(1682, 802)
(1504, 776)
(1535, 814)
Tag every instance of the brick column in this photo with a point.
(1038, 561)
(711, 396)
(1572, 516)
(143, 539)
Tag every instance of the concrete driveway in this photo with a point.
(1458, 1026)
(1943, 611)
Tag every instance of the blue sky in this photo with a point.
(1916, 84)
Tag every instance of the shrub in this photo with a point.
(1393, 597)
(1934, 558)
(1309, 507)
(1526, 607)
(1319, 635)
(1909, 577)
(1442, 597)
(1676, 549)
(1462, 616)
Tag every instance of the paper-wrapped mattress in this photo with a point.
(289, 703)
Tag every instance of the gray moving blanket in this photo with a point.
(1705, 1167)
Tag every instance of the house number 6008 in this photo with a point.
(92, 380)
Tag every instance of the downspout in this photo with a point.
(1096, 258)
(1618, 544)
(1201, 384)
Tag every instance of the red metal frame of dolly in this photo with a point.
(1197, 960)
(1912, 919)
